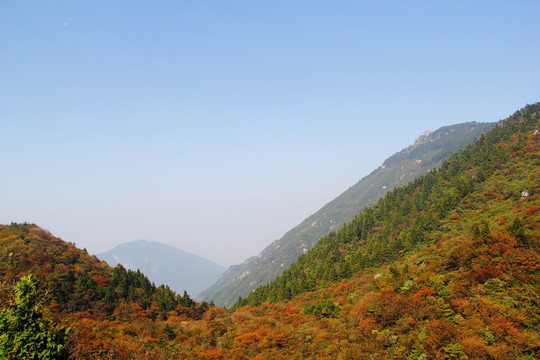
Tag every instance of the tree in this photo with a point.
(518, 231)
(25, 334)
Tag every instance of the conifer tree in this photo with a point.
(25, 334)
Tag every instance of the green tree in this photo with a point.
(518, 231)
(185, 300)
(171, 335)
(25, 334)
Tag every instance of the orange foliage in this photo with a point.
(247, 339)
(47, 268)
(532, 210)
(462, 305)
(378, 318)
(502, 326)
(366, 327)
(439, 334)
(291, 311)
(214, 353)
(100, 280)
(422, 294)
(455, 217)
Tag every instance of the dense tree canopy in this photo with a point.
(443, 268)
(25, 334)
(402, 221)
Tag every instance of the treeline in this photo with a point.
(464, 285)
(401, 221)
(104, 293)
(76, 281)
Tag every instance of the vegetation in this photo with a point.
(75, 280)
(82, 290)
(428, 152)
(24, 332)
(410, 217)
(443, 268)
(162, 263)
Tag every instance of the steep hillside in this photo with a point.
(82, 291)
(75, 280)
(462, 248)
(446, 267)
(410, 217)
(164, 264)
(425, 154)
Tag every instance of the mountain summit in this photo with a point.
(165, 264)
(427, 153)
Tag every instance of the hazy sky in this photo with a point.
(217, 126)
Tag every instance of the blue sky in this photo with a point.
(217, 126)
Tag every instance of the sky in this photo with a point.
(217, 126)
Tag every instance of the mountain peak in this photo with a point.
(423, 138)
(165, 264)
(428, 152)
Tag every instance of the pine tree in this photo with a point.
(25, 334)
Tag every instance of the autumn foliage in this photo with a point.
(446, 268)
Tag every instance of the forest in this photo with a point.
(446, 267)
(427, 153)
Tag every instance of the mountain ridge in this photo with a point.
(165, 264)
(445, 267)
(401, 219)
(427, 152)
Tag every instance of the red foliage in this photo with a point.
(100, 280)
(291, 311)
(422, 294)
(388, 307)
(47, 268)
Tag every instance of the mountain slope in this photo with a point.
(446, 267)
(461, 281)
(425, 154)
(77, 281)
(113, 313)
(164, 264)
(502, 165)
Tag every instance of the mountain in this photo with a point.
(428, 152)
(75, 280)
(165, 264)
(483, 191)
(84, 293)
(445, 267)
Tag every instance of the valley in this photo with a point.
(443, 267)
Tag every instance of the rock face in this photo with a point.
(423, 138)
(165, 264)
(428, 152)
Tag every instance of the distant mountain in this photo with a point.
(164, 264)
(78, 282)
(79, 291)
(445, 267)
(427, 153)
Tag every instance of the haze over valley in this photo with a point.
(269, 180)
(217, 128)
